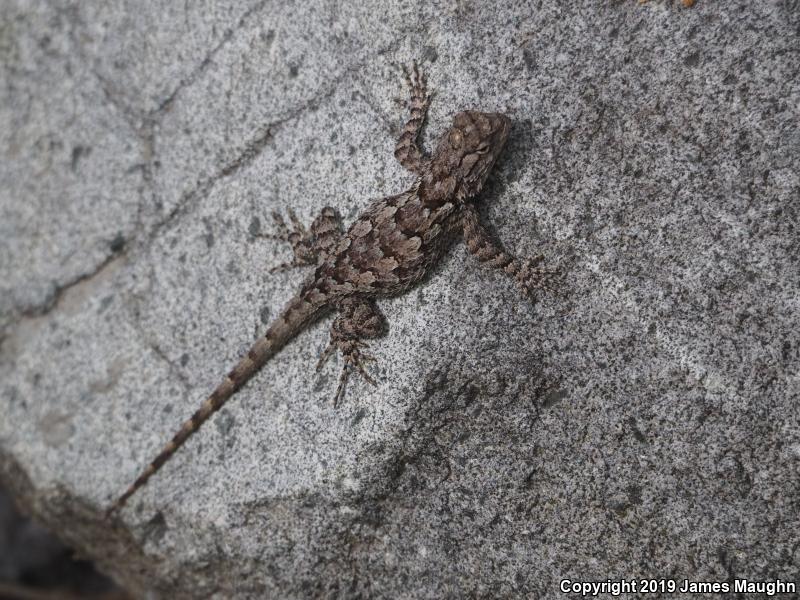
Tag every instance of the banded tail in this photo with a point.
(299, 313)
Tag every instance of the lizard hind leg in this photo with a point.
(308, 245)
(358, 319)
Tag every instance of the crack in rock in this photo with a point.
(56, 297)
(195, 73)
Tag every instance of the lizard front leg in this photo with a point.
(489, 252)
(358, 319)
(407, 151)
(308, 245)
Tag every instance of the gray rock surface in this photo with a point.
(644, 423)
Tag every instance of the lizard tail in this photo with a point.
(299, 313)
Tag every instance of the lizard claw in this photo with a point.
(287, 266)
(353, 358)
(297, 236)
(530, 278)
(417, 83)
(294, 235)
(326, 354)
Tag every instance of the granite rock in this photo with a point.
(643, 422)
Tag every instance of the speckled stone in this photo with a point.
(644, 422)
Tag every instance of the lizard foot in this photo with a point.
(418, 85)
(530, 278)
(297, 236)
(353, 358)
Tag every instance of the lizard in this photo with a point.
(389, 248)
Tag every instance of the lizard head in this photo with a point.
(465, 154)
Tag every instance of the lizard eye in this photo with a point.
(456, 139)
(483, 148)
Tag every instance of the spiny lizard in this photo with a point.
(388, 249)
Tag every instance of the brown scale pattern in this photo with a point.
(389, 248)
